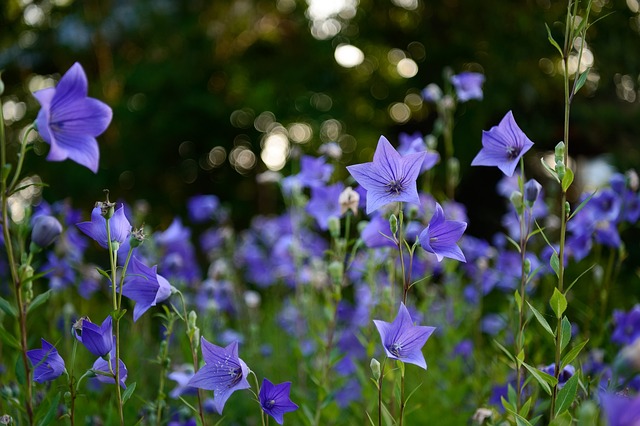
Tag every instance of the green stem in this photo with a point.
(164, 362)
(403, 402)
(21, 156)
(380, 382)
(523, 281)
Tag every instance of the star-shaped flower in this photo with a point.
(468, 85)
(69, 121)
(275, 400)
(97, 227)
(402, 340)
(390, 177)
(503, 146)
(47, 363)
(441, 235)
(144, 286)
(223, 372)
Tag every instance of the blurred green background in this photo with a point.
(204, 91)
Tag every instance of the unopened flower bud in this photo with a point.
(349, 200)
(192, 319)
(252, 299)
(559, 152)
(393, 224)
(336, 270)
(632, 178)
(334, 227)
(375, 368)
(531, 191)
(560, 170)
(516, 201)
(567, 209)
(527, 267)
(45, 230)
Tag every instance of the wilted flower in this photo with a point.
(223, 372)
(441, 235)
(402, 340)
(47, 363)
(275, 400)
(69, 121)
(468, 85)
(144, 286)
(349, 200)
(97, 228)
(97, 339)
(46, 229)
(390, 177)
(503, 146)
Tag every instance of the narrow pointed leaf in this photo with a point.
(558, 303)
(567, 394)
(545, 380)
(552, 41)
(127, 393)
(39, 300)
(581, 80)
(565, 337)
(573, 353)
(8, 308)
(543, 322)
(555, 264)
(567, 180)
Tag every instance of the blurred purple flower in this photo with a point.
(102, 365)
(390, 177)
(402, 340)
(503, 146)
(324, 203)
(201, 208)
(620, 410)
(314, 171)
(414, 143)
(432, 93)
(626, 326)
(144, 286)
(97, 339)
(97, 227)
(275, 400)
(46, 229)
(372, 233)
(69, 121)
(468, 85)
(178, 254)
(47, 363)
(441, 235)
(567, 372)
(182, 379)
(223, 372)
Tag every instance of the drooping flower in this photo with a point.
(275, 400)
(97, 339)
(503, 146)
(46, 229)
(441, 235)
(402, 340)
(144, 286)
(468, 85)
(69, 121)
(47, 363)
(223, 373)
(103, 366)
(390, 177)
(97, 228)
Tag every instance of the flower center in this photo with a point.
(395, 187)
(236, 375)
(395, 349)
(270, 403)
(513, 152)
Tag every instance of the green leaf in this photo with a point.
(21, 372)
(526, 407)
(545, 380)
(551, 171)
(8, 308)
(558, 303)
(580, 81)
(564, 420)
(579, 276)
(128, 392)
(505, 350)
(555, 264)
(8, 339)
(507, 405)
(543, 322)
(39, 300)
(567, 394)
(521, 421)
(49, 417)
(581, 205)
(573, 353)
(512, 241)
(516, 295)
(103, 273)
(552, 41)
(567, 180)
(565, 337)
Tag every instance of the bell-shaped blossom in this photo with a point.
(402, 340)
(503, 146)
(46, 229)
(69, 121)
(119, 225)
(390, 177)
(441, 235)
(109, 367)
(47, 363)
(468, 85)
(275, 400)
(223, 373)
(144, 286)
(98, 339)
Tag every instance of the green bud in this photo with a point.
(559, 152)
(191, 320)
(567, 209)
(527, 267)
(336, 271)
(393, 224)
(334, 227)
(375, 368)
(560, 170)
(67, 398)
(517, 201)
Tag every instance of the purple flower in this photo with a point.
(620, 410)
(223, 372)
(97, 227)
(182, 388)
(503, 146)
(47, 363)
(314, 171)
(402, 340)
(390, 177)
(46, 229)
(275, 400)
(468, 85)
(566, 373)
(627, 326)
(324, 203)
(441, 235)
(202, 207)
(107, 367)
(414, 143)
(144, 286)
(69, 121)
(372, 234)
(97, 339)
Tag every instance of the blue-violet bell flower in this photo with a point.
(441, 235)
(390, 177)
(503, 146)
(275, 400)
(46, 229)
(109, 367)
(97, 228)
(47, 363)
(468, 85)
(223, 373)
(69, 121)
(402, 340)
(98, 339)
(144, 286)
